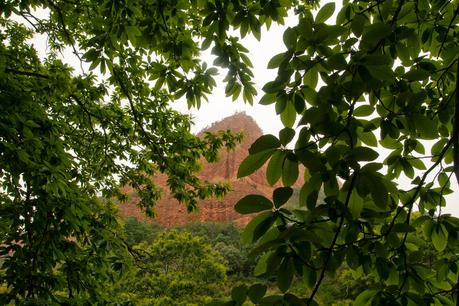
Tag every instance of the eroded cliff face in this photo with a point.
(169, 212)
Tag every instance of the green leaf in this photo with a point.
(374, 33)
(381, 72)
(365, 297)
(426, 127)
(439, 237)
(253, 203)
(253, 162)
(285, 275)
(290, 37)
(363, 154)
(256, 292)
(337, 62)
(313, 185)
(268, 99)
(264, 143)
(357, 25)
(286, 135)
(262, 264)
(355, 204)
(290, 170)
(263, 227)
(299, 103)
(382, 268)
(368, 138)
(417, 75)
(133, 32)
(247, 235)
(325, 12)
(276, 60)
(274, 171)
(352, 257)
(288, 116)
(310, 95)
(281, 195)
(311, 78)
(364, 110)
(239, 294)
(402, 228)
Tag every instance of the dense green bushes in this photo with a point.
(196, 263)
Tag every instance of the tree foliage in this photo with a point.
(375, 93)
(68, 138)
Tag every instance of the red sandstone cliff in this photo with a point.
(170, 212)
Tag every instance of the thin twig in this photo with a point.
(67, 34)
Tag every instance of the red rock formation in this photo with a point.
(170, 212)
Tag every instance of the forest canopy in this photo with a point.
(353, 82)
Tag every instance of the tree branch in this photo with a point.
(27, 73)
(332, 245)
(456, 12)
(455, 137)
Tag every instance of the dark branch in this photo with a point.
(332, 245)
(456, 12)
(27, 73)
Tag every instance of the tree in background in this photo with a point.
(225, 238)
(137, 231)
(178, 268)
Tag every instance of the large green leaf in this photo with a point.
(274, 170)
(239, 294)
(381, 72)
(365, 297)
(417, 75)
(288, 115)
(439, 237)
(285, 276)
(253, 162)
(325, 12)
(290, 170)
(281, 195)
(286, 135)
(264, 143)
(276, 60)
(363, 154)
(253, 203)
(248, 233)
(290, 38)
(427, 128)
(256, 292)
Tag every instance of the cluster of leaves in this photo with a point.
(56, 235)
(388, 79)
(66, 139)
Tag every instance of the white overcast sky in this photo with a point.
(219, 106)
